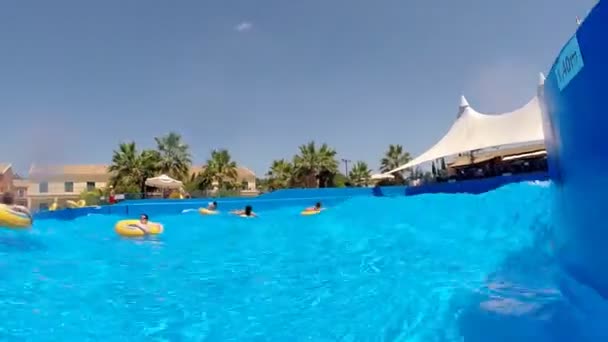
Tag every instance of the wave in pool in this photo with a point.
(423, 268)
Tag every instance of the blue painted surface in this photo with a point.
(576, 125)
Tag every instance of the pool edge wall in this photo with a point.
(575, 124)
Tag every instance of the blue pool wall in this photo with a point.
(287, 198)
(576, 125)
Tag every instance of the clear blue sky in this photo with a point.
(262, 77)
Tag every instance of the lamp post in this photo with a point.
(346, 161)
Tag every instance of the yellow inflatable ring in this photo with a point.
(79, 204)
(310, 212)
(125, 228)
(205, 211)
(10, 218)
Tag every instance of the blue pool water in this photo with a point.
(423, 268)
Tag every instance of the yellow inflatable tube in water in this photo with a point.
(307, 212)
(126, 228)
(205, 211)
(10, 218)
(79, 204)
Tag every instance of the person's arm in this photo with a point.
(22, 209)
(140, 226)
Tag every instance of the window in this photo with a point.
(68, 187)
(43, 206)
(21, 193)
(43, 187)
(90, 186)
(244, 185)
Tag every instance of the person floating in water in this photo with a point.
(142, 224)
(212, 206)
(9, 201)
(317, 207)
(247, 212)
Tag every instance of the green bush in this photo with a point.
(91, 197)
(340, 180)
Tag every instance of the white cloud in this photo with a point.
(244, 27)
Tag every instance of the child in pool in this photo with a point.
(9, 201)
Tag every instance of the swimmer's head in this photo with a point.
(248, 210)
(143, 218)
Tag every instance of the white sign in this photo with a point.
(569, 63)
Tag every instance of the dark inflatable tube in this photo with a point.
(576, 131)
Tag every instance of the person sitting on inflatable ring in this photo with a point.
(142, 224)
(247, 212)
(212, 206)
(9, 201)
(317, 207)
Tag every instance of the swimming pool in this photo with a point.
(423, 268)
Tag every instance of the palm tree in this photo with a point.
(175, 159)
(280, 174)
(360, 174)
(316, 167)
(394, 157)
(131, 168)
(221, 169)
(201, 181)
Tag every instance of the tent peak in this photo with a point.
(541, 79)
(464, 104)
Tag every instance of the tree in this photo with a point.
(341, 181)
(131, 168)
(393, 158)
(315, 167)
(201, 181)
(175, 159)
(418, 174)
(91, 197)
(280, 174)
(360, 174)
(221, 169)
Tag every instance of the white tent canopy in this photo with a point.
(473, 131)
(164, 182)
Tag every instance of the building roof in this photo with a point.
(90, 172)
(242, 172)
(4, 167)
(473, 130)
